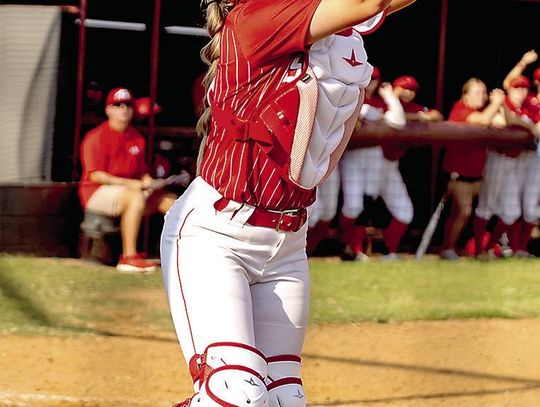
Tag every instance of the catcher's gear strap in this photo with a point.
(222, 354)
(283, 382)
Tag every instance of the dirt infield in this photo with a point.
(480, 363)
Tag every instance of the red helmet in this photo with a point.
(520, 82)
(406, 82)
(141, 108)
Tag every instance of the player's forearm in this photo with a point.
(103, 177)
(485, 117)
(333, 16)
(528, 58)
(395, 115)
(516, 71)
(397, 5)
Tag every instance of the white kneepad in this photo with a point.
(231, 374)
(284, 385)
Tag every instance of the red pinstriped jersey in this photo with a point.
(262, 50)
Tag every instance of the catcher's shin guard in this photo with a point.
(283, 382)
(229, 374)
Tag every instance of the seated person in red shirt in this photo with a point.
(115, 179)
(465, 165)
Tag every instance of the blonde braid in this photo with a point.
(216, 11)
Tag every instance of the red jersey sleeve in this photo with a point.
(270, 29)
(460, 112)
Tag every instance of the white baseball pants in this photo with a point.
(228, 281)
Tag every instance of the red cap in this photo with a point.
(119, 95)
(406, 82)
(520, 82)
(536, 74)
(376, 74)
(142, 107)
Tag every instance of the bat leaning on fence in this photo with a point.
(430, 228)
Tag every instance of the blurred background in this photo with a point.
(54, 75)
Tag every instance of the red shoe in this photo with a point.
(135, 264)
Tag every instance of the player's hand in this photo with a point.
(497, 96)
(529, 57)
(136, 184)
(386, 90)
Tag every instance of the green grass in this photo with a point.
(429, 290)
(48, 295)
(67, 296)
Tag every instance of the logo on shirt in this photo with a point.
(296, 67)
(352, 60)
(134, 150)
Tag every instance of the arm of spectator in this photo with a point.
(487, 116)
(528, 58)
(103, 177)
(146, 180)
(395, 115)
(431, 115)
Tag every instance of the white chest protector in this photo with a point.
(340, 65)
(304, 128)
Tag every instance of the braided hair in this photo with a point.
(215, 12)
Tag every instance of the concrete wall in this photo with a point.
(29, 48)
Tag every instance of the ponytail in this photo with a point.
(216, 11)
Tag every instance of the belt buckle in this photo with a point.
(280, 221)
(292, 212)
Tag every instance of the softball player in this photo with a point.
(520, 232)
(233, 245)
(365, 171)
(505, 174)
(382, 177)
(464, 165)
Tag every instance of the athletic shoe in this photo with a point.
(522, 254)
(361, 257)
(348, 254)
(449, 254)
(390, 257)
(487, 256)
(135, 264)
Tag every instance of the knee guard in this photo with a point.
(283, 382)
(229, 374)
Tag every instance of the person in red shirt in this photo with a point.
(286, 81)
(464, 166)
(115, 179)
